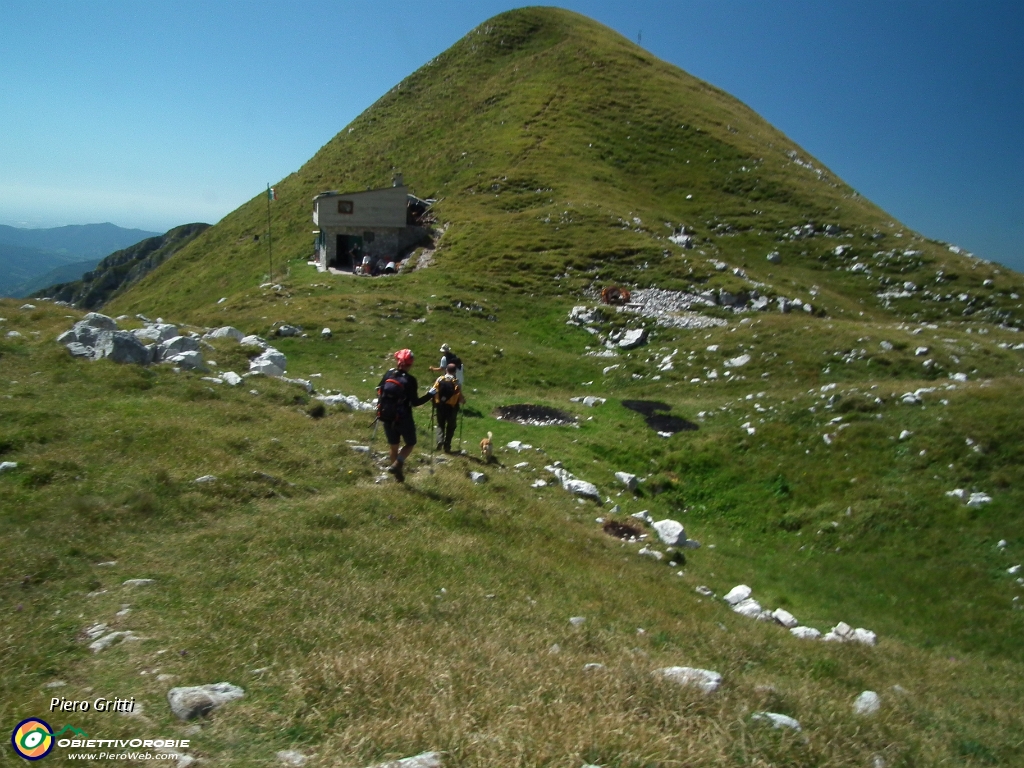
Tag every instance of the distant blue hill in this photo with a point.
(26, 255)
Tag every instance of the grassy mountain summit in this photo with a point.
(858, 459)
(554, 144)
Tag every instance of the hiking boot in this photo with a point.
(447, 449)
(396, 470)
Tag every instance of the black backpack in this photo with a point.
(391, 397)
(450, 358)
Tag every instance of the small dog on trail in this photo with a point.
(487, 448)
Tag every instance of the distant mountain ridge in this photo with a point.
(27, 255)
(82, 241)
(120, 270)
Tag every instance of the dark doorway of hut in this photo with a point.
(350, 252)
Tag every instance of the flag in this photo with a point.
(271, 193)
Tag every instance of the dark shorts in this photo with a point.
(404, 428)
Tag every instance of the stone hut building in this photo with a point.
(382, 224)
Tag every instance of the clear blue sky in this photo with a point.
(152, 114)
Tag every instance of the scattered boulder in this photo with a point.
(351, 401)
(671, 532)
(109, 639)
(785, 618)
(190, 702)
(253, 341)
(176, 346)
(749, 608)
(422, 760)
(326, 333)
(270, 362)
(776, 720)
(844, 633)
(628, 480)
(477, 477)
(736, 362)
(577, 621)
(99, 322)
(225, 332)
(291, 757)
(867, 703)
(232, 378)
(774, 257)
(805, 633)
(139, 582)
(7, 465)
(634, 338)
(737, 594)
(574, 485)
(191, 360)
(288, 330)
(705, 679)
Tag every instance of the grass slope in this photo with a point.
(369, 621)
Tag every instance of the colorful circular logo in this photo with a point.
(32, 738)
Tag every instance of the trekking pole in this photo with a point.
(460, 430)
(374, 433)
(433, 437)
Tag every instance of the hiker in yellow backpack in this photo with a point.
(447, 399)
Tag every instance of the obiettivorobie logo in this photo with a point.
(33, 738)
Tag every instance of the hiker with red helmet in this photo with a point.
(396, 397)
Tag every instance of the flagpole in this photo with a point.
(270, 241)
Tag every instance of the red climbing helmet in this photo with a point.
(404, 357)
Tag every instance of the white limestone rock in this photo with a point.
(736, 362)
(478, 477)
(707, 680)
(632, 339)
(190, 361)
(864, 636)
(138, 582)
(291, 757)
(651, 553)
(671, 532)
(867, 703)
(738, 594)
(774, 257)
(121, 347)
(574, 485)
(232, 378)
(288, 330)
(190, 702)
(628, 480)
(225, 332)
(749, 608)
(422, 760)
(785, 618)
(110, 639)
(100, 322)
(176, 346)
(805, 633)
(253, 341)
(977, 499)
(326, 333)
(7, 465)
(776, 720)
